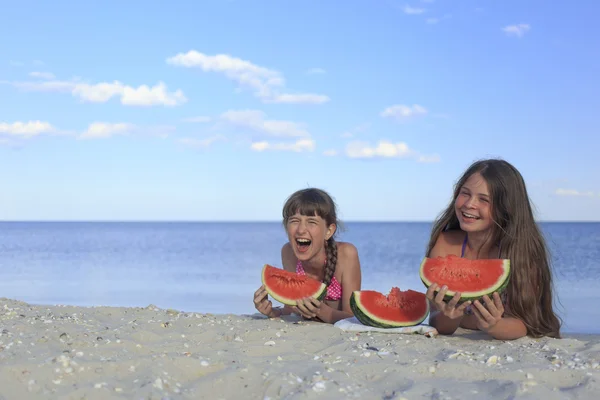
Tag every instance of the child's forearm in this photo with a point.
(279, 311)
(443, 324)
(331, 315)
(508, 328)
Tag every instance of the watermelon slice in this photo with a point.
(473, 278)
(288, 287)
(397, 309)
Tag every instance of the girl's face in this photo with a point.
(472, 205)
(307, 235)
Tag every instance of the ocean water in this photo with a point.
(215, 267)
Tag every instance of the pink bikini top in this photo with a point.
(334, 290)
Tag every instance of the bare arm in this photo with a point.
(508, 328)
(495, 319)
(351, 281)
(445, 325)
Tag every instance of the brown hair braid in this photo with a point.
(331, 250)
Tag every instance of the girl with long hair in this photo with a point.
(490, 216)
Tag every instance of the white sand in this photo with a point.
(64, 352)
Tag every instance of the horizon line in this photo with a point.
(266, 221)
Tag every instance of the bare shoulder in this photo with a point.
(347, 251)
(448, 242)
(288, 259)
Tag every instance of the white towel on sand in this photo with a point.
(354, 325)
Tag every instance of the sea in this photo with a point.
(214, 267)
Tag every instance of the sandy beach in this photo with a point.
(66, 352)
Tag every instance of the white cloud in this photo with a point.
(103, 130)
(297, 146)
(436, 20)
(413, 10)
(357, 129)
(97, 93)
(256, 130)
(26, 130)
(516, 30)
(200, 143)
(306, 98)
(102, 92)
(573, 192)
(200, 119)
(45, 86)
(403, 112)
(141, 96)
(256, 121)
(386, 149)
(330, 153)
(316, 71)
(149, 96)
(429, 158)
(42, 75)
(267, 84)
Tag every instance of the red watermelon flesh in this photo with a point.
(288, 287)
(397, 309)
(472, 278)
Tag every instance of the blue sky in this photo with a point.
(218, 110)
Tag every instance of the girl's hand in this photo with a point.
(263, 304)
(449, 309)
(308, 307)
(488, 315)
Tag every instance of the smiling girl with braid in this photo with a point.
(310, 220)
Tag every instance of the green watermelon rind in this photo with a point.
(499, 286)
(369, 319)
(319, 294)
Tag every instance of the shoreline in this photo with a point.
(63, 351)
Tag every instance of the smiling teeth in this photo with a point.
(303, 240)
(469, 215)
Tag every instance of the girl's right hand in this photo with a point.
(263, 304)
(449, 309)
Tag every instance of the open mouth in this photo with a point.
(470, 216)
(303, 244)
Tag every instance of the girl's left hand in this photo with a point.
(308, 307)
(488, 315)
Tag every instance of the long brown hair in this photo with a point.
(521, 241)
(310, 202)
